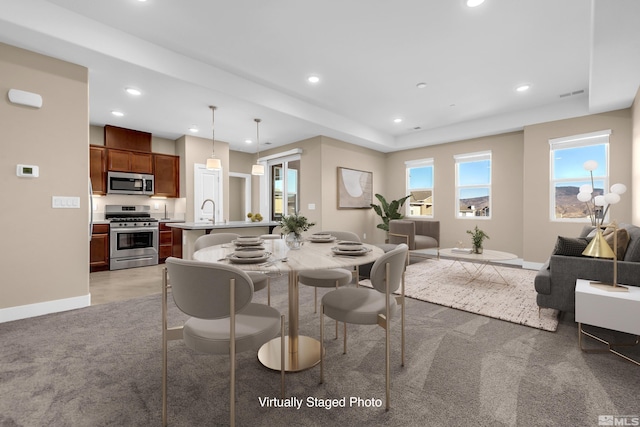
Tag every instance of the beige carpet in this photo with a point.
(445, 282)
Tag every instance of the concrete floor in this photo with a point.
(118, 285)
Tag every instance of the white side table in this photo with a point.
(618, 311)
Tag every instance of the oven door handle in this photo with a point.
(133, 229)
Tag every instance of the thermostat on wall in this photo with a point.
(28, 171)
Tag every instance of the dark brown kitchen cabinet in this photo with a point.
(166, 170)
(99, 248)
(127, 139)
(170, 242)
(98, 169)
(129, 161)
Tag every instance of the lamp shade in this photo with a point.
(257, 170)
(213, 163)
(590, 165)
(599, 248)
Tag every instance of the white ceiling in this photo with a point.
(251, 59)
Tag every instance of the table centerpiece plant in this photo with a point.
(477, 236)
(292, 226)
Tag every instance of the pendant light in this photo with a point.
(213, 162)
(257, 169)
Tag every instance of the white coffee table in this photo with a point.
(618, 311)
(478, 261)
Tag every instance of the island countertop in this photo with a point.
(221, 225)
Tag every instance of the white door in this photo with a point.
(207, 184)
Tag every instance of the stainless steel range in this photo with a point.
(133, 236)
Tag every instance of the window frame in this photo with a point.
(469, 158)
(415, 164)
(577, 141)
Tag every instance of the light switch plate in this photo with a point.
(62, 202)
(312, 206)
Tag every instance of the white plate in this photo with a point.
(248, 242)
(351, 252)
(350, 246)
(322, 239)
(249, 252)
(234, 259)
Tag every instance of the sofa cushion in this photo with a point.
(633, 248)
(622, 240)
(570, 246)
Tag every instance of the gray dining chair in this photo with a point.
(329, 278)
(365, 306)
(260, 280)
(275, 234)
(223, 318)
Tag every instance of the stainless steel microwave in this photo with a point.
(129, 183)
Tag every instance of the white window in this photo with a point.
(420, 187)
(473, 185)
(568, 156)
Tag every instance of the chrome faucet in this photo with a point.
(213, 218)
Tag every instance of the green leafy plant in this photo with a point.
(295, 223)
(388, 211)
(477, 236)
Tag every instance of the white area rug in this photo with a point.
(445, 282)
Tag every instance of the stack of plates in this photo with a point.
(321, 238)
(350, 248)
(249, 255)
(248, 241)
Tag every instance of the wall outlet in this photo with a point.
(364, 236)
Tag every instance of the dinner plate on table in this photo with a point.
(350, 252)
(247, 242)
(322, 238)
(249, 260)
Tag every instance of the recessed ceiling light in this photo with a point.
(421, 85)
(117, 113)
(248, 141)
(397, 120)
(313, 79)
(133, 91)
(523, 88)
(474, 3)
(194, 129)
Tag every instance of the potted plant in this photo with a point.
(477, 236)
(388, 211)
(293, 226)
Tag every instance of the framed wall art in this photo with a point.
(355, 189)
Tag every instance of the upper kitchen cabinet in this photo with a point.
(98, 169)
(130, 161)
(166, 169)
(127, 139)
(129, 150)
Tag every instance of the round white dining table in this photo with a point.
(301, 352)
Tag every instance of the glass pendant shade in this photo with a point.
(257, 170)
(213, 163)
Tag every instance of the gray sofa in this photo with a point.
(555, 282)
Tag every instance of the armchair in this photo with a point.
(415, 233)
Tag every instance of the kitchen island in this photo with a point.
(193, 230)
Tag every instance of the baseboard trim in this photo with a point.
(532, 265)
(40, 309)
